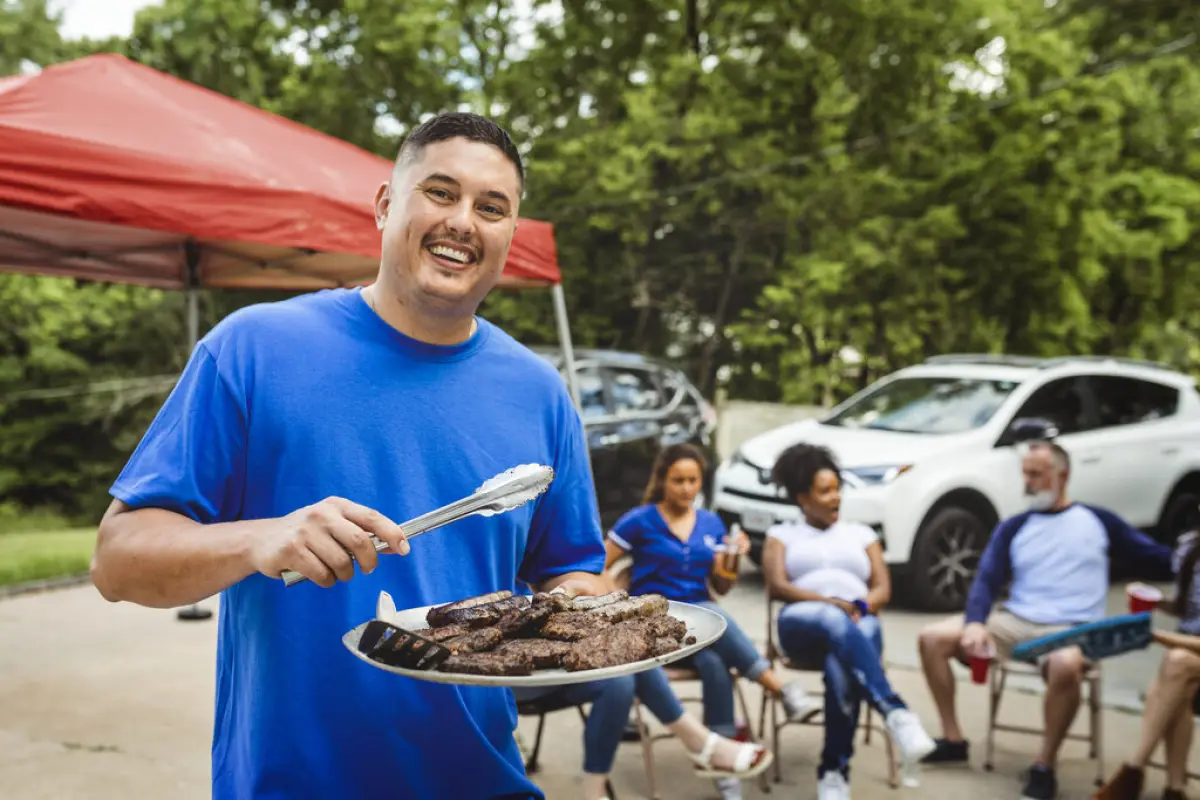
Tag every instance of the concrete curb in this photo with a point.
(47, 585)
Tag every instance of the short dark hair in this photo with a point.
(1062, 458)
(453, 124)
(797, 468)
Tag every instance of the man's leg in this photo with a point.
(938, 643)
(1063, 671)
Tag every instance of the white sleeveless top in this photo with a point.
(832, 562)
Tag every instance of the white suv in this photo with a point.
(930, 462)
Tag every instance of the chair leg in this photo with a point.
(995, 690)
(532, 765)
(609, 790)
(775, 730)
(870, 719)
(1097, 726)
(647, 751)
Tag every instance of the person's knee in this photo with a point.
(1064, 669)
(1181, 664)
(938, 640)
(621, 689)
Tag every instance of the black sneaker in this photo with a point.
(1040, 784)
(947, 752)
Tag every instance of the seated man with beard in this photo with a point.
(1055, 560)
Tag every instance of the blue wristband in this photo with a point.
(862, 606)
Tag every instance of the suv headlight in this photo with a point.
(876, 476)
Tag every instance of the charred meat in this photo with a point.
(475, 641)
(647, 605)
(619, 644)
(440, 615)
(545, 653)
(444, 632)
(571, 626)
(523, 622)
(487, 613)
(593, 603)
(661, 625)
(490, 663)
(555, 601)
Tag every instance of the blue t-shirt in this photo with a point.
(285, 404)
(662, 562)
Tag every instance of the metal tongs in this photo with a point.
(510, 489)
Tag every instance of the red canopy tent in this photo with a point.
(113, 171)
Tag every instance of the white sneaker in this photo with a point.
(730, 788)
(909, 735)
(833, 787)
(798, 703)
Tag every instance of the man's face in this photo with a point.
(448, 219)
(1041, 473)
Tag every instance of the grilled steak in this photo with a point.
(545, 653)
(445, 632)
(475, 641)
(616, 645)
(593, 603)
(488, 613)
(661, 625)
(555, 601)
(663, 645)
(491, 663)
(523, 622)
(646, 605)
(570, 626)
(440, 615)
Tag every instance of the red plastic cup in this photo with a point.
(1142, 598)
(979, 668)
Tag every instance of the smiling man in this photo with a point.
(297, 429)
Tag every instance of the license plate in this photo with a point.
(757, 521)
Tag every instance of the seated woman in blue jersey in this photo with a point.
(679, 551)
(833, 578)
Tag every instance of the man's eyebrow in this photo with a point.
(441, 177)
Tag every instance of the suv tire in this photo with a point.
(945, 558)
(1181, 513)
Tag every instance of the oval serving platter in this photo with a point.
(707, 626)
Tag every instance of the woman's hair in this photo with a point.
(797, 468)
(662, 465)
(1187, 575)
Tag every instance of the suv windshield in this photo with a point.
(925, 405)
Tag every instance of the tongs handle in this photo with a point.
(451, 512)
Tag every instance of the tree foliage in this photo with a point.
(789, 198)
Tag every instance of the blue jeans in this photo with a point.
(819, 635)
(733, 650)
(611, 701)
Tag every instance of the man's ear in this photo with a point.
(383, 203)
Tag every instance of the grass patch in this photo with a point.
(40, 555)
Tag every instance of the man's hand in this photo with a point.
(318, 541)
(976, 642)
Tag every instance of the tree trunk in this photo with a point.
(706, 370)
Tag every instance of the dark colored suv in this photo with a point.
(632, 407)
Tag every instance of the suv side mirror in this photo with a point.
(1028, 429)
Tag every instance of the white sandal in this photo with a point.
(751, 760)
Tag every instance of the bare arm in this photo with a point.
(880, 593)
(157, 558)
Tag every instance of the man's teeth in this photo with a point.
(450, 253)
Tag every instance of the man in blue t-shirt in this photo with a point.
(1054, 560)
(301, 427)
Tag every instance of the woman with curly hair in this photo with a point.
(833, 578)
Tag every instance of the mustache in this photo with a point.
(450, 236)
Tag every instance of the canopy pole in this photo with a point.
(564, 340)
(191, 289)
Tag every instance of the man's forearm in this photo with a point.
(161, 559)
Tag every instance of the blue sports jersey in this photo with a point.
(285, 404)
(662, 562)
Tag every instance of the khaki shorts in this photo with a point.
(1007, 630)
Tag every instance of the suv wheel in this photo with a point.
(1182, 513)
(945, 558)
